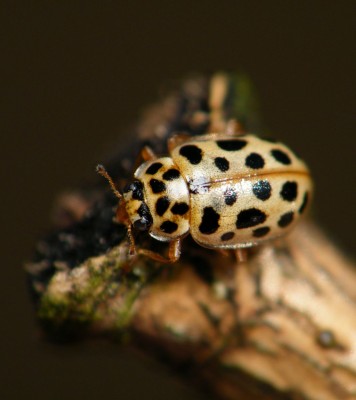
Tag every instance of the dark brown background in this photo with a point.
(76, 75)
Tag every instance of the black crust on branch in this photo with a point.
(94, 234)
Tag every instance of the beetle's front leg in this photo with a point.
(132, 248)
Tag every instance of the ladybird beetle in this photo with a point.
(227, 192)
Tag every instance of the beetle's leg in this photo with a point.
(241, 255)
(147, 154)
(173, 252)
(176, 140)
(132, 248)
(224, 252)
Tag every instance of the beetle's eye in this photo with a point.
(145, 220)
(127, 188)
(141, 224)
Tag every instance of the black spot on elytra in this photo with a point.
(289, 191)
(180, 208)
(157, 186)
(210, 221)
(281, 156)
(222, 163)
(171, 174)
(168, 227)
(250, 217)
(146, 220)
(254, 161)
(192, 153)
(136, 188)
(286, 219)
(227, 236)
(230, 196)
(262, 190)
(304, 203)
(231, 145)
(162, 205)
(154, 168)
(260, 232)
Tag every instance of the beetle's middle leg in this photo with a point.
(146, 154)
(174, 252)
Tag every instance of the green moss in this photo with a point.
(51, 309)
(125, 312)
(102, 280)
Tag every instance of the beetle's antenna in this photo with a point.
(102, 171)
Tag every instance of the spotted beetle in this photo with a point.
(227, 190)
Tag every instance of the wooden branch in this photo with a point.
(280, 326)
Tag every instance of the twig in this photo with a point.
(280, 326)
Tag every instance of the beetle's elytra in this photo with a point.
(228, 192)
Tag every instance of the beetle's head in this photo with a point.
(132, 209)
(137, 210)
